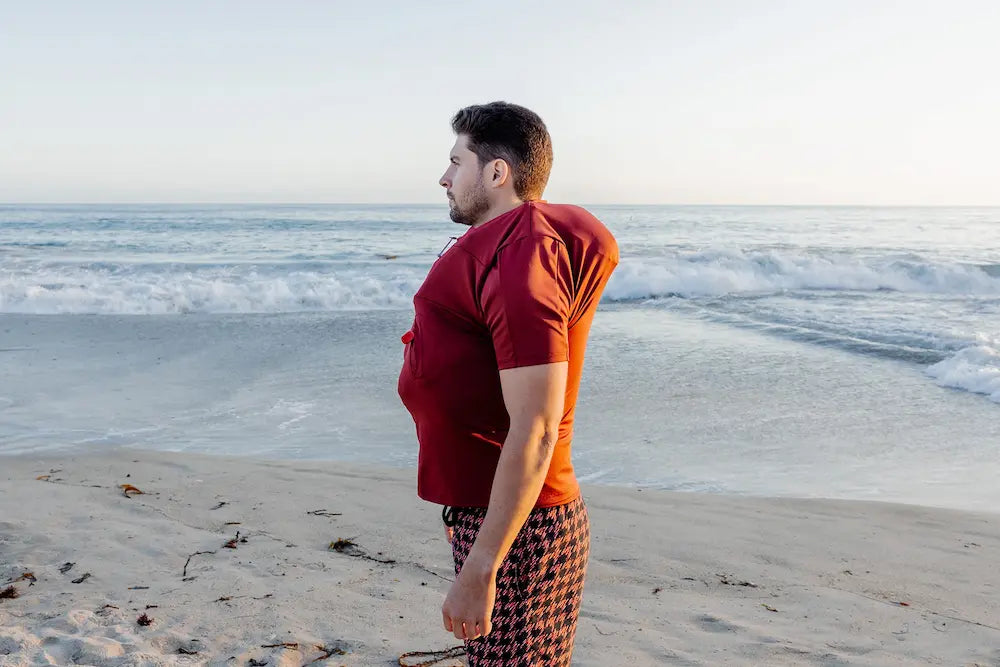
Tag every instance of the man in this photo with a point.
(491, 371)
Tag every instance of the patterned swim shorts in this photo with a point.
(539, 586)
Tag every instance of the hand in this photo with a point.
(468, 608)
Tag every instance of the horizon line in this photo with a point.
(444, 205)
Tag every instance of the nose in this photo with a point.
(445, 182)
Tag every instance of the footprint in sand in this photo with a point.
(710, 623)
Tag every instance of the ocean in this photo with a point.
(835, 352)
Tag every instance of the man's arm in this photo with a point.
(534, 397)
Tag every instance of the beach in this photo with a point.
(236, 561)
(786, 436)
(260, 265)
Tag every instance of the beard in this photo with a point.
(474, 204)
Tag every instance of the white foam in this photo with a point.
(975, 369)
(80, 290)
(138, 289)
(715, 273)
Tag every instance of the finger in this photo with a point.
(447, 621)
(486, 627)
(459, 630)
(449, 533)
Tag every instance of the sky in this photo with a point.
(696, 102)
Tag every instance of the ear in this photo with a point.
(500, 173)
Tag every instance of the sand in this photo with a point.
(674, 578)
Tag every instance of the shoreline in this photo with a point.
(73, 451)
(674, 577)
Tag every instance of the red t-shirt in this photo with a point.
(519, 290)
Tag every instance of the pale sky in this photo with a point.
(698, 102)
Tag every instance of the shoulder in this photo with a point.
(576, 227)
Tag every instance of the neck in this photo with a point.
(498, 209)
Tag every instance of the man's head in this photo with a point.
(502, 154)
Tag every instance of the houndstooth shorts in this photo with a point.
(539, 586)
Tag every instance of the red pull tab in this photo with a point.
(407, 337)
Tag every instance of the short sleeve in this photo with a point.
(526, 300)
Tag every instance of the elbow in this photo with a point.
(545, 445)
(536, 442)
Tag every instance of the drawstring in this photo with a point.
(449, 515)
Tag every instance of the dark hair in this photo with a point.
(513, 134)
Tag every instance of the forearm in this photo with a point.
(521, 470)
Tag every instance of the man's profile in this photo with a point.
(491, 372)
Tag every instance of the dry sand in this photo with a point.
(674, 579)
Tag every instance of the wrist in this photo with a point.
(480, 567)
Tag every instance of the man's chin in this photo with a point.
(456, 216)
